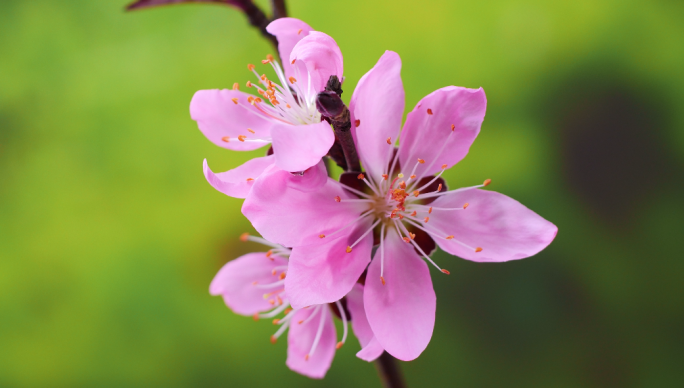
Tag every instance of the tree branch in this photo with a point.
(389, 371)
(333, 109)
(255, 15)
(279, 9)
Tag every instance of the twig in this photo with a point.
(389, 371)
(333, 109)
(279, 9)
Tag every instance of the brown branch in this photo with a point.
(333, 109)
(279, 9)
(389, 371)
(255, 15)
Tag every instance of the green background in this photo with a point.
(110, 235)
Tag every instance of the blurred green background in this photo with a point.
(109, 234)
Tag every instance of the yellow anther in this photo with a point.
(236, 86)
(429, 111)
(349, 249)
(250, 67)
(487, 182)
(244, 237)
(250, 130)
(292, 80)
(226, 139)
(421, 161)
(235, 100)
(478, 249)
(242, 138)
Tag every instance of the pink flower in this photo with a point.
(253, 285)
(285, 113)
(332, 230)
(238, 182)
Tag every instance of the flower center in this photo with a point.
(289, 103)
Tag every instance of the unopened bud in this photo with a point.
(329, 104)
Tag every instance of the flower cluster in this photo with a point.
(359, 247)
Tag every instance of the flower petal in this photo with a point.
(301, 337)
(325, 273)
(298, 147)
(310, 179)
(402, 311)
(378, 105)
(291, 217)
(235, 282)
(371, 348)
(288, 31)
(428, 133)
(371, 351)
(504, 228)
(238, 181)
(322, 57)
(221, 120)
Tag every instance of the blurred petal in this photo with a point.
(402, 311)
(371, 348)
(322, 57)
(293, 218)
(235, 282)
(238, 181)
(378, 105)
(430, 137)
(504, 228)
(288, 31)
(371, 351)
(221, 120)
(301, 338)
(298, 147)
(325, 273)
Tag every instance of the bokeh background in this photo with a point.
(109, 234)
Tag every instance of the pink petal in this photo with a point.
(235, 282)
(378, 105)
(309, 180)
(371, 351)
(322, 57)
(288, 31)
(371, 348)
(402, 311)
(290, 217)
(503, 227)
(325, 273)
(222, 121)
(430, 137)
(298, 147)
(238, 181)
(301, 337)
